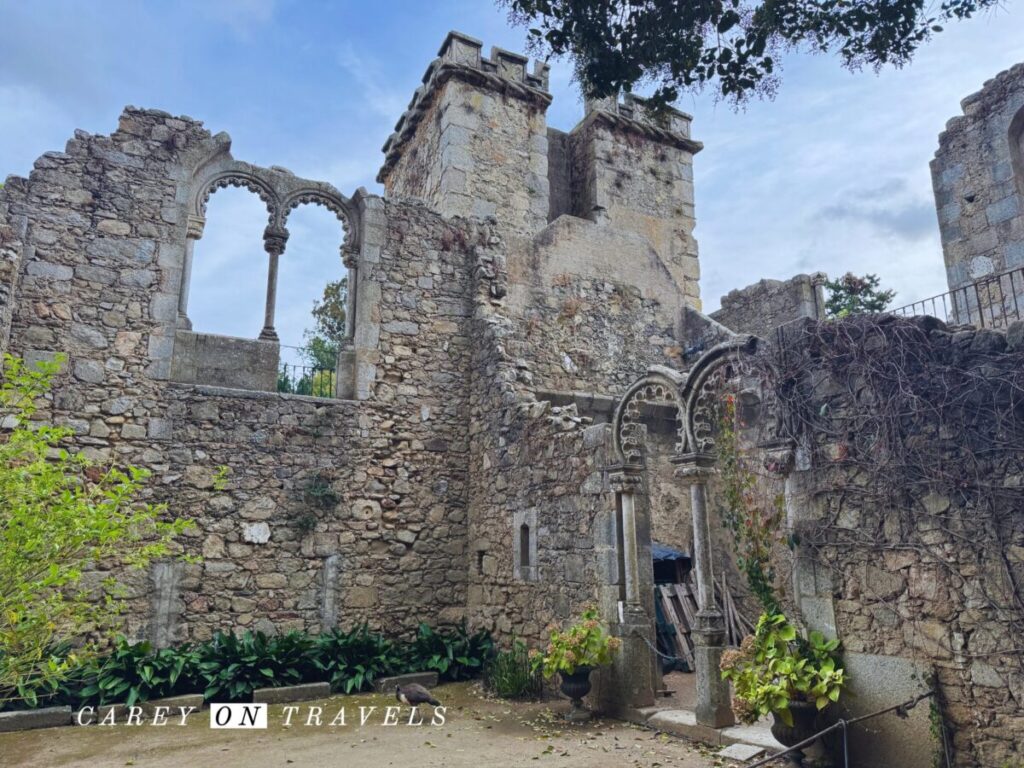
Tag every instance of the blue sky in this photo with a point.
(831, 175)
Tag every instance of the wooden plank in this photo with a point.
(672, 616)
(687, 602)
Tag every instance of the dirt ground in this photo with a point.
(477, 732)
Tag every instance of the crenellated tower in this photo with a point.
(474, 142)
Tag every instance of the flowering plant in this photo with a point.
(584, 644)
(775, 666)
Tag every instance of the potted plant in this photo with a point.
(573, 653)
(776, 671)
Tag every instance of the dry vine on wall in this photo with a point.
(915, 436)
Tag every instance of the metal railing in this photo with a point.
(301, 372)
(992, 302)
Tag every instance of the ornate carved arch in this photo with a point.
(333, 201)
(237, 177)
(703, 387)
(661, 386)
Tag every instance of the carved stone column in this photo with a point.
(713, 708)
(634, 671)
(350, 258)
(274, 240)
(193, 233)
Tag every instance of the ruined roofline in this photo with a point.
(978, 103)
(74, 145)
(460, 58)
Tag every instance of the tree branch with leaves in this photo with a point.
(61, 516)
(733, 46)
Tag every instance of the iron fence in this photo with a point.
(304, 371)
(992, 302)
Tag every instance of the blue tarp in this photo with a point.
(660, 553)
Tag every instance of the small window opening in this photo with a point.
(524, 546)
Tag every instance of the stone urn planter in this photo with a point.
(805, 725)
(576, 686)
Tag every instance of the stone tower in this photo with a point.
(978, 177)
(474, 142)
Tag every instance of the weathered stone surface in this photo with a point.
(976, 178)
(47, 717)
(283, 694)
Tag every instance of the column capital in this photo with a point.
(694, 468)
(780, 455)
(274, 240)
(194, 227)
(626, 478)
(349, 257)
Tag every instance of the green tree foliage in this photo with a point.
(60, 515)
(852, 295)
(732, 46)
(323, 343)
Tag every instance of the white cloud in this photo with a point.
(834, 175)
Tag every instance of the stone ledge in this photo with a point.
(23, 720)
(683, 722)
(387, 684)
(288, 693)
(174, 702)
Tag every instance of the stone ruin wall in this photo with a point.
(473, 409)
(904, 589)
(978, 179)
(94, 248)
(762, 307)
(101, 230)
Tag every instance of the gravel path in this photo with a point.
(477, 732)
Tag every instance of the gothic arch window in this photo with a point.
(238, 357)
(312, 317)
(227, 280)
(653, 402)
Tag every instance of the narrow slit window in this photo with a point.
(524, 546)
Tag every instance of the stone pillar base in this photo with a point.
(713, 706)
(631, 676)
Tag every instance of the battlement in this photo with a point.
(634, 114)
(475, 142)
(992, 97)
(460, 57)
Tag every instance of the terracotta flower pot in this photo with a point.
(576, 686)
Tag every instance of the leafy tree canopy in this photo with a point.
(730, 45)
(852, 295)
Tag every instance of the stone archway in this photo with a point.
(693, 395)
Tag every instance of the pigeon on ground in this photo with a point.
(414, 695)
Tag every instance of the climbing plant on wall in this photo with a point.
(750, 508)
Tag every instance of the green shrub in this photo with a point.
(229, 667)
(351, 661)
(453, 655)
(233, 666)
(136, 672)
(776, 665)
(60, 515)
(511, 675)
